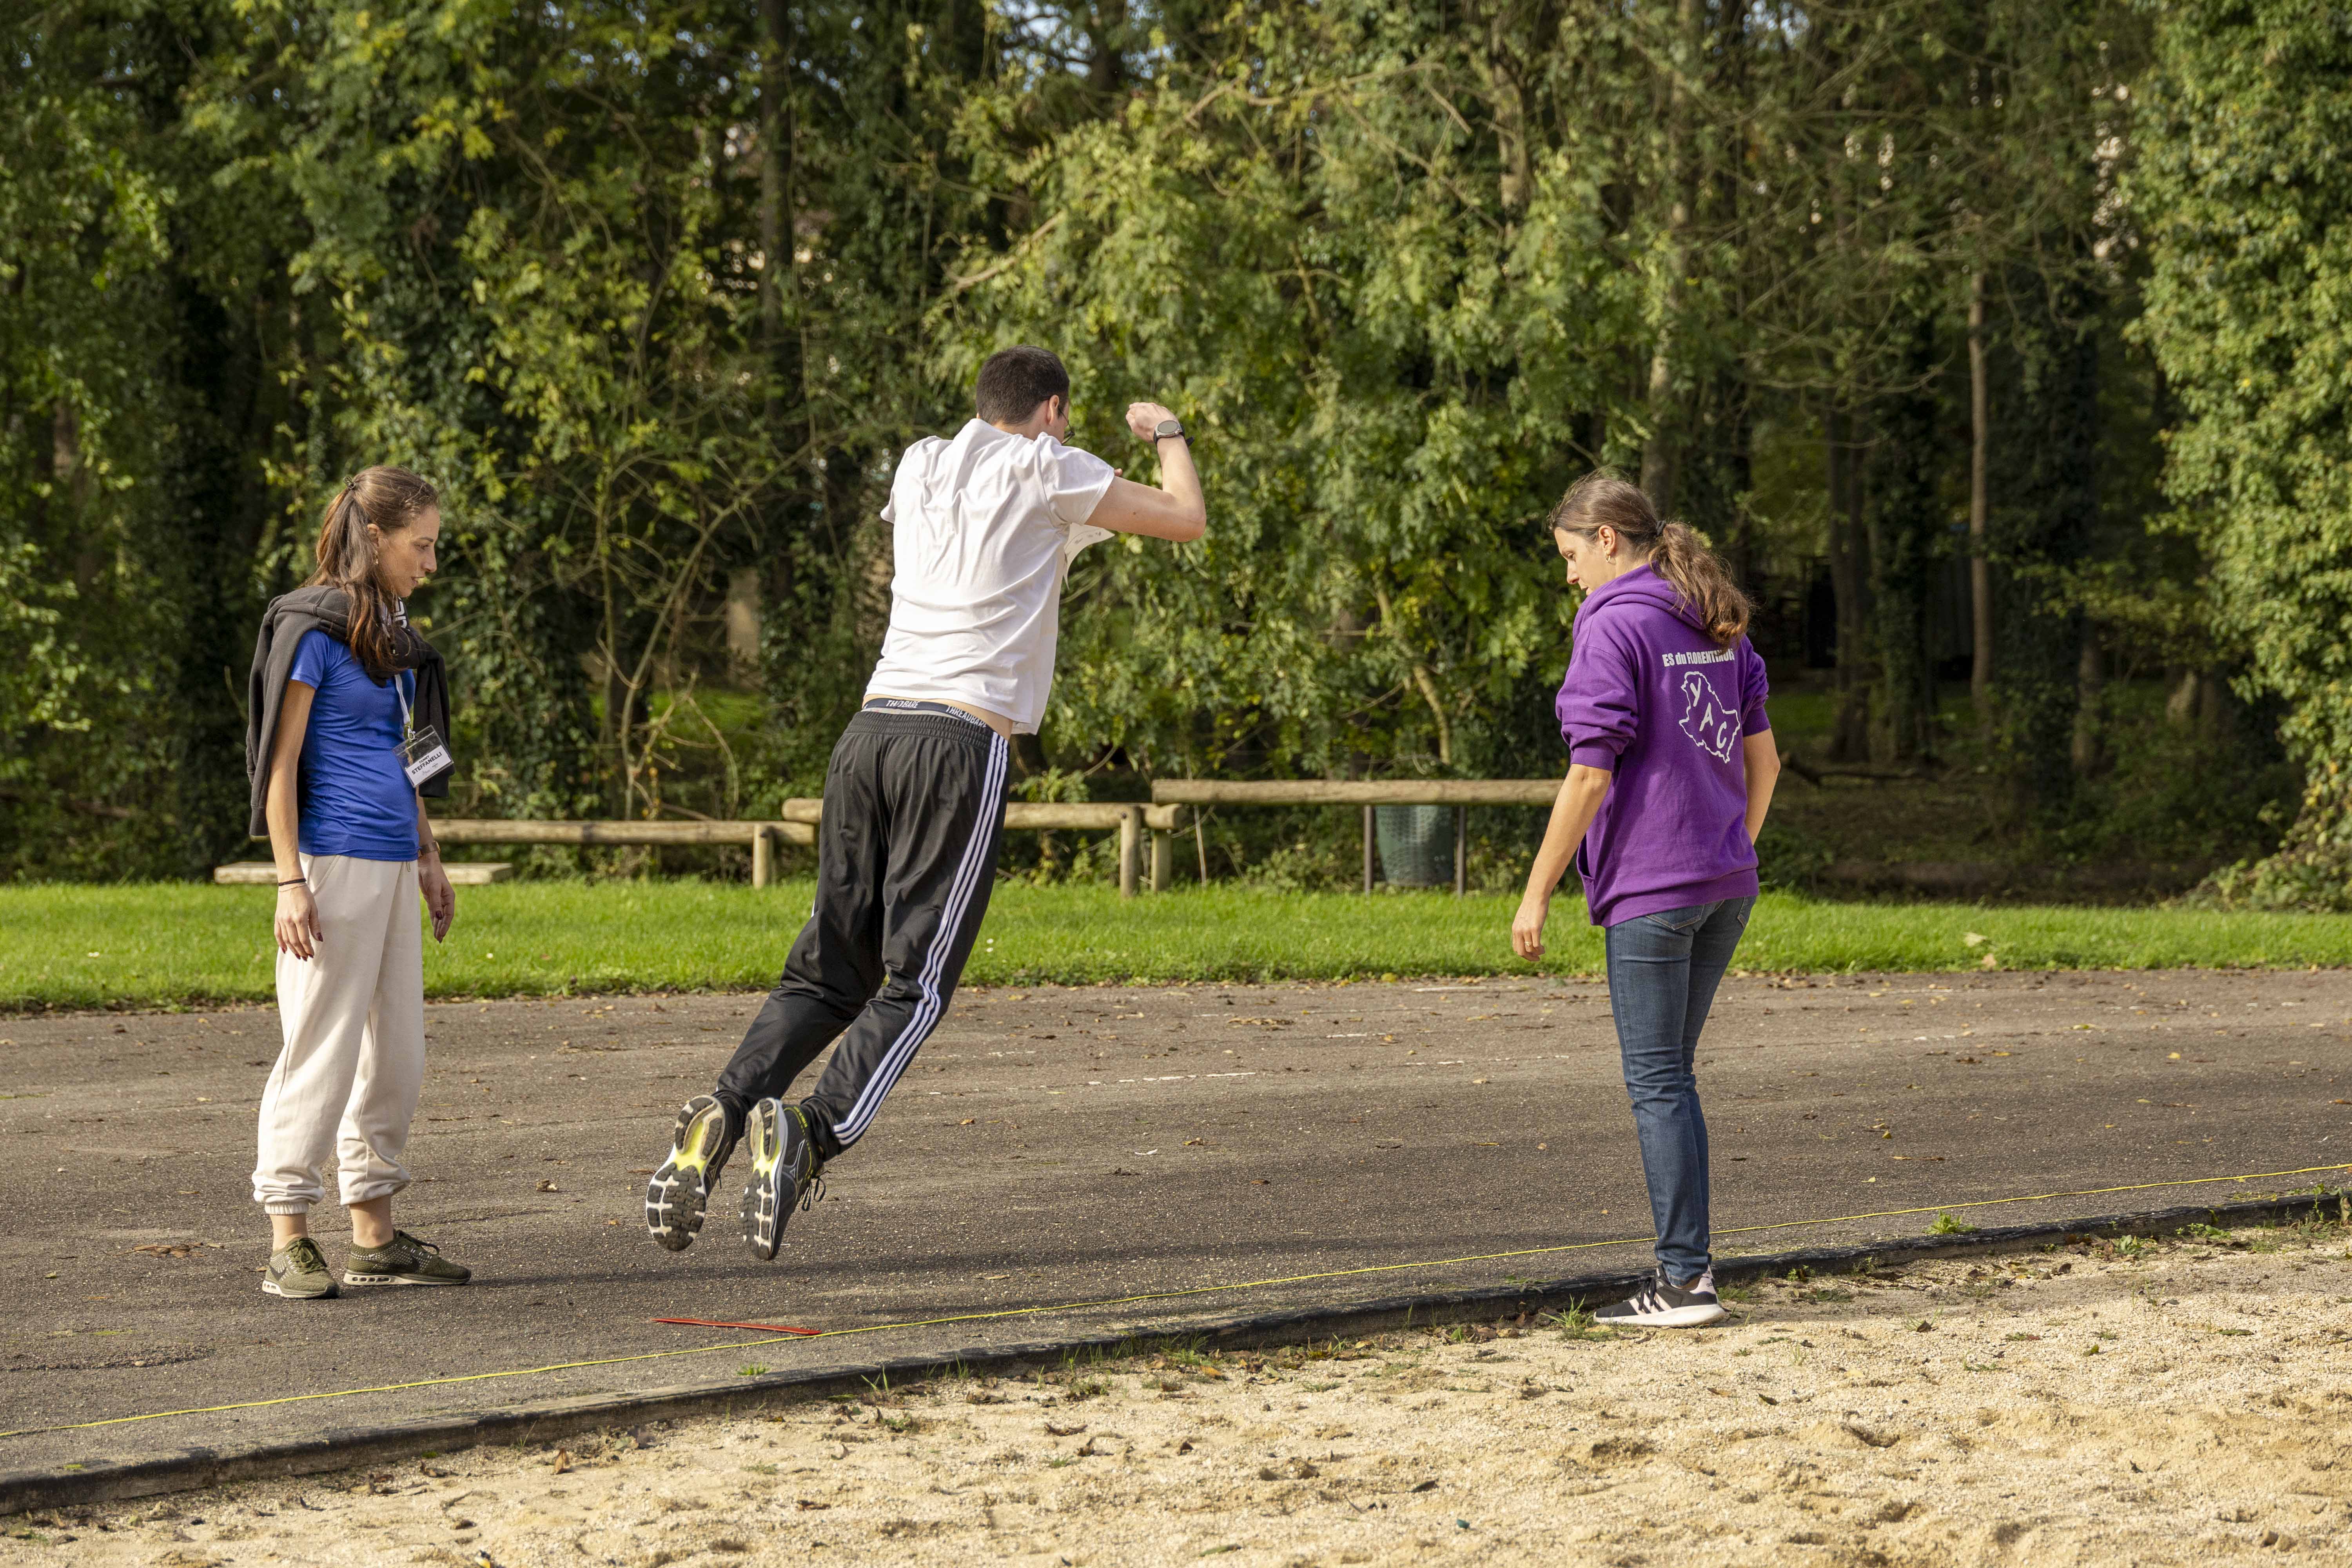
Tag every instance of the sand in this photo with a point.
(2183, 1400)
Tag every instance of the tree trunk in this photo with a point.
(1422, 682)
(618, 700)
(1506, 82)
(776, 237)
(2043, 457)
(1427, 685)
(2090, 683)
(965, 36)
(1979, 567)
(1106, 39)
(1905, 526)
(743, 623)
(1658, 450)
(1850, 580)
(2200, 701)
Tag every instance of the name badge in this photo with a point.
(423, 755)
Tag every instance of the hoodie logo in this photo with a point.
(1711, 726)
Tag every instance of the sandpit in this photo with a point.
(2181, 1401)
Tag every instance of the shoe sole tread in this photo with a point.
(677, 1198)
(763, 1224)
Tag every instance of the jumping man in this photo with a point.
(983, 529)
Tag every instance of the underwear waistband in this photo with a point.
(909, 705)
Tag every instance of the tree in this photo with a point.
(657, 291)
(102, 567)
(2245, 200)
(614, 277)
(1413, 280)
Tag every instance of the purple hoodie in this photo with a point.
(1651, 698)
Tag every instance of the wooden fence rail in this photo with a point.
(758, 836)
(1132, 819)
(1357, 792)
(1459, 793)
(798, 826)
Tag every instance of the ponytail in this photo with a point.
(1675, 551)
(1697, 574)
(392, 499)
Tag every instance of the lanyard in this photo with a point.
(422, 757)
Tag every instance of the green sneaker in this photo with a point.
(404, 1260)
(298, 1272)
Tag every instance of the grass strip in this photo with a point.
(176, 944)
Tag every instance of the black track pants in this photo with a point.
(914, 810)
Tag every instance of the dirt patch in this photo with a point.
(2173, 1402)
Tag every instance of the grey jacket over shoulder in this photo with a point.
(328, 610)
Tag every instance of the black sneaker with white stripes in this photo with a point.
(785, 1173)
(679, 1193)
(1663, 1305)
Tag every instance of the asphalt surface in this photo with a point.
(1061, 1146)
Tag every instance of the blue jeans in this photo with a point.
(1662, 971)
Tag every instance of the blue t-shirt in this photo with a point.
(356, 798)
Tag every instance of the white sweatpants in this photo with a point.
(348, 1079)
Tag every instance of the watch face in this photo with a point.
(1168, 427)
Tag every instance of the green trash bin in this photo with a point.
(1416, 844)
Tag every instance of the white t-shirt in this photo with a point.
(983, 527)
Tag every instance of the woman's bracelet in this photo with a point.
(291, 880)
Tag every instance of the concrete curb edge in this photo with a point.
(185, 1470)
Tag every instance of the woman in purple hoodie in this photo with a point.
(1671, 767)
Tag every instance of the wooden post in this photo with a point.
(1130, 825)
(759, 852)
(1163, 856)
(1461, 851)
(1368, 849)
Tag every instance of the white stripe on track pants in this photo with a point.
(347, 1080)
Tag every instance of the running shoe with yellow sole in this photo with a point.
(679, 1193)
(785, 1174)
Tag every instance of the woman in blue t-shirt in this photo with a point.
(350, 712)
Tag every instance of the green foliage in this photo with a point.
(93, 561)
(2045, 474)
(656, 294)
(255, 246)
(37, 691)
(1386, 363)
(2242, 193)
(538, 235)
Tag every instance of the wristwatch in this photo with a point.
(1165, 429)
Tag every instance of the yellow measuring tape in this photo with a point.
(1149, 1296)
